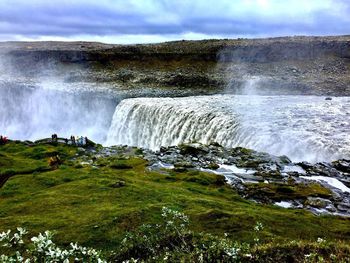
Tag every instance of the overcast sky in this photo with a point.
(144, 21)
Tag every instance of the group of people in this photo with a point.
(3, 140)
(79, 141)
(74, 140)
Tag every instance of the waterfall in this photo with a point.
(154, 122)
(301, 127)
(32, 112)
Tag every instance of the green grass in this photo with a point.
(82, 205)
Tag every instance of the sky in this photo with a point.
(149, 21)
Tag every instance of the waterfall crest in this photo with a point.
(301, 127)
(152, 123)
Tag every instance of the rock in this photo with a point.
(232, 160)
(331, 208)
(184, 165)
(215, 145)
(162, 149)
(193, 149)
(118, 184)
(318, 202)
(343, 207)
(342, 165)
(305, 165)
(272, 174)
(212, 166)
(285, 160)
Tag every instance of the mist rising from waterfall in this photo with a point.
(36, 100)
(34, 112)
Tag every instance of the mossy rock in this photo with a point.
(284, 159)
(184, 165)
(212, 166)
(250, 163)
(193, 150)
(316, 202)
(279, 191)
(239, 151)
(139, 151)
(269, 174)
(342, 165)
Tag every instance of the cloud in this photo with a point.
(167, 19)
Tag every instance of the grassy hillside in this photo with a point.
(96, 203)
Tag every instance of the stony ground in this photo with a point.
(265, 178)
(291, 65)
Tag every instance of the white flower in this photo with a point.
(74, 246)
(47, 249)
(5, 235)
(258, 227)
(4, 258)
(232, 252)
(132, 260)
(22, 231)
(320, 240)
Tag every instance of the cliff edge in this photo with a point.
(286, 65)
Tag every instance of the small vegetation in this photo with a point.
(170, 240)
(109, 198)
(41, 248)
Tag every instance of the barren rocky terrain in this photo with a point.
(287, 65)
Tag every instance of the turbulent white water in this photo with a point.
(32, 109)
(30, 113)
(329, 180)
(301, 127)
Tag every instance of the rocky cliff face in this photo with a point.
(290, 65)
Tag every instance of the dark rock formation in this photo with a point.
(322, 188)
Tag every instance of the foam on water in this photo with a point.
(330, 181)
(301, 127)
(284, 204)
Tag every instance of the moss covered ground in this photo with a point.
(96, 204)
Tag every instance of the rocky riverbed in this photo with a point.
(322, 188)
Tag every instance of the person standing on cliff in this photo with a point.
(72, 138)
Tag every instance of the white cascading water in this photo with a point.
(301, 127)
(37, 112)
